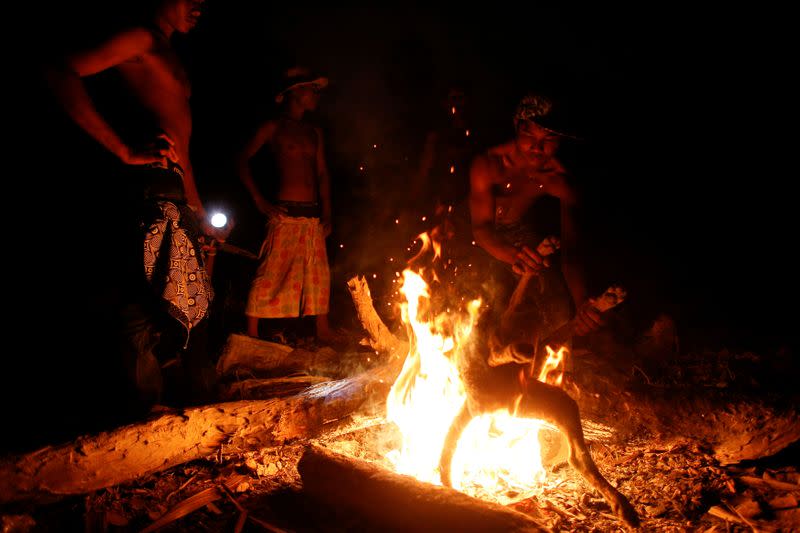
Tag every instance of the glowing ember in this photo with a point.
(499, 458)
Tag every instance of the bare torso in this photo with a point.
(516, 184)
(294, 146)
(160, 83)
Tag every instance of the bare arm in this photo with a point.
(324, 184)
(482, 206)
(263, 135)
(190, 188)
(65, 81)
(569, 265)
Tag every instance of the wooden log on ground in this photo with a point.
(263, 389)
(95, 462)
(394, 502)
(244, 355)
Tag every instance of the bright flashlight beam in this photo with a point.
(219, 220)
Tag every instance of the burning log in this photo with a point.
(400, 503)
(514, 353)
(613, 296)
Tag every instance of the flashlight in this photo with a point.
(218, 220)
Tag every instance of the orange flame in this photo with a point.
(553, 369)
(498, 456)
(428, 393)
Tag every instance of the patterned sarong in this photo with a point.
(172, 262)
(293, 278)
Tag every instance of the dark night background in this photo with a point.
(682, 171)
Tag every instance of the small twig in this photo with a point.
(774, 483)
(232, 498)
(245, 514)
(646, 378)
(608, 515)
(719, 512)
(561, 512)
(187, 506)
(745, 520)
(176, 491)
(627, 459)
(677, 508)
(240, 522)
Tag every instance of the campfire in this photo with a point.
(498, 454)
(382, 439)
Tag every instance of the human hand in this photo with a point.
(587, 320)
(160, 151)
(529, 261)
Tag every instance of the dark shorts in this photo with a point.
(154, 182)
(301, 209)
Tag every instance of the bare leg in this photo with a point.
(547, 402)
(323, 327)
(252, 326)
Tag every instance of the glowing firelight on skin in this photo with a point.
(498, 454)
